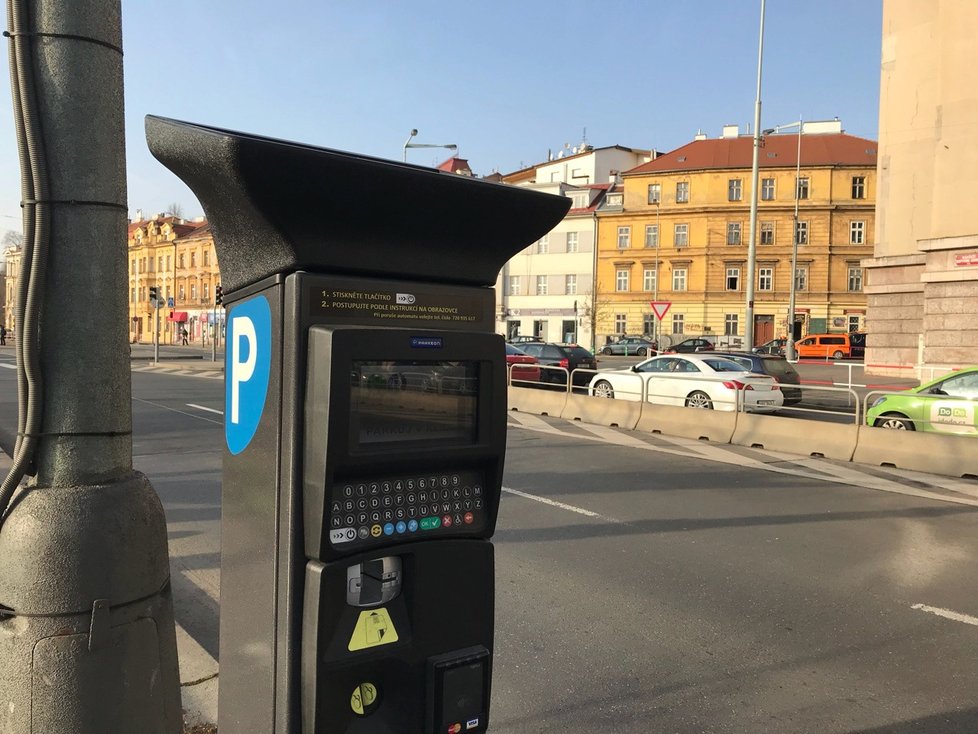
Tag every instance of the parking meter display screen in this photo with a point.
(413, 401)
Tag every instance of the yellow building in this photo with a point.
(676, 231)
(154, 260)
(197, 278)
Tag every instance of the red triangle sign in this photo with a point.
(660, 308)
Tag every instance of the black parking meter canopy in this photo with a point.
(277, 206)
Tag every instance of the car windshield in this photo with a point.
(778, 367)
(579, 352)
(725, 365)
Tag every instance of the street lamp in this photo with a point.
(409, 144)
(655, 286)
(790, 341)
(752, 245)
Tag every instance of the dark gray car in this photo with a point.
(770, 364)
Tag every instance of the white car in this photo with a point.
(697, 381)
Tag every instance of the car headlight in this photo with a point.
(879, 401)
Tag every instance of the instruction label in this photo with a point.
(374, 628)
(405, 306)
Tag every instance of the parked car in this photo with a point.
(631, 345)
(769, 364)
(695, 344)
(775, 346)
(523, 339)
(522, 366)
(857, 344)
(823, 346)
(569, 356)
(701, 381)
(948, 404)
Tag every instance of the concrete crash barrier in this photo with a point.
(955, 456)
(793, 436)
(537, 400)
(671, 420)
(602, 411)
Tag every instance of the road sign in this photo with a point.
(660, 308)
(169, 302)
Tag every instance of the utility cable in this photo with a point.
(37, 236)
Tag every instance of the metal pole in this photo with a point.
(752, 243)
(214, 335)
(790, 344)
(156, 330)
(89, 643)
(656, 326)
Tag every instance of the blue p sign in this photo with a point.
(249, 358)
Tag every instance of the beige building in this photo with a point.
(922, 283)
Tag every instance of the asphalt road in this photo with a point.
(654, 584)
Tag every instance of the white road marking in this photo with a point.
(947, 614)
(204, 408)
(181, 412)
(561, 505)
(8, 365)
(533, 422)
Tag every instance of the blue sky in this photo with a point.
(506, 80)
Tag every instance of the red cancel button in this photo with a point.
(446, 522)
(469, 518)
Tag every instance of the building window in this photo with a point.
(765, 279)
(733, 279)
(206, 295)
(132, 295)
(621, 279)
(767, 233)
(133, 267)
(648, 279)
(801, 233)
(733, 233)
(857, 233)
(651, 235)
(621, 321)
(679, 279)
(193, 291)
(680, 235)
(570, 285)
(767, 189)
(624, 237)
(801, 188)
(578, 201)
(159, 263)
(801, 279)
(541, 285)
(858, 187)
(514, 285)
(648, 324)
(734, 189)
(193, 259)
(207, 257)
(655, 193)
(677, 324)
(168, 262)
(183, 293)
(180, 261)
(731, 324)
(572, 241)
(853, 323)
(682, 192)
(543, 245)
(855, 280)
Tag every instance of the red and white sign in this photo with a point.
(660, 308)
(966, 260)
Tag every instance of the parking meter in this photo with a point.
(365, 420)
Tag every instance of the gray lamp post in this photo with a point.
(409, 144)
(790, 340)
(752, 244)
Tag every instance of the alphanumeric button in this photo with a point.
(466, 491)
(478, 504)
(361, 489)
(350, 519)
(362, 503)
(456, 493)
(477, 490)
(422, 483)
(412, 512)
(362, 518)
(336, 521)
(374, 488)
(443, 480)
(375, 516)
(399, 513)
(387, 501)
(336, 507)
(388, 515)
(458, 519)
(386, 487)
(446, 507)
(457, 506)
(467, 504)
(348, 490)
(374, 502)
(410, 484)
(398, 499)
(412, 498)
(422, 496)
(432, 482)
(456, 480)
(349, 505)
(398, 485)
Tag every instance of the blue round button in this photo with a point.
(388, 529)
(400, 527)
(413, 525)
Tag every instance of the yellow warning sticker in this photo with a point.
(363, 698)
(373, 628)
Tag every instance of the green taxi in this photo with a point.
(948, 404)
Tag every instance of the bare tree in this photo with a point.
(175, 210)
(13, 239)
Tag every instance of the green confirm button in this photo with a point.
(430, 523)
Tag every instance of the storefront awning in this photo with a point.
(177, 316)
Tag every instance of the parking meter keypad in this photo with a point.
(377, 510)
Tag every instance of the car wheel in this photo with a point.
(603, 389)
(642, 351)
(699, 399)
(894, 421)
(606, 350)
(837, 354)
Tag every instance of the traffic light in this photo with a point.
(218, 295)
(154, 293)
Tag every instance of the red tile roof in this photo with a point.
(777, 151)
(456, 165)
